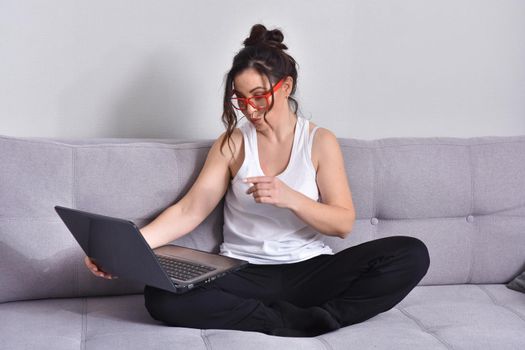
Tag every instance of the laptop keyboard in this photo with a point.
(182, 270)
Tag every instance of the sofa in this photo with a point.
(463, 197)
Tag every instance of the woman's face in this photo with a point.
(250, 83)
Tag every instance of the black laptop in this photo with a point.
(117, 247)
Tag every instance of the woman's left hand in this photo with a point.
(271, 190)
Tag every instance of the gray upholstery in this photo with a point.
(465, 198)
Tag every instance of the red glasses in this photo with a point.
(258, 102)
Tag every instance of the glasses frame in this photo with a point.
(247, 101)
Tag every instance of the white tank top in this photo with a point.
(263, 233)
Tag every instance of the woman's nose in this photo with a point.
(250, 109)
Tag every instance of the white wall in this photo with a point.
(367, 69)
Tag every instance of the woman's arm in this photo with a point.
(204, 195)
(171, 224)
(335, 216)
(327, 219)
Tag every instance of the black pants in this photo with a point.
(353, 285)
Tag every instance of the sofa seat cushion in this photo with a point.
(110, 322)
(430, 317)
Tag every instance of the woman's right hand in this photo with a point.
(96, 270)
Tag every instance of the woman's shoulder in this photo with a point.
(321, 132)
(235, 142)
(236, 135)
(324, 143)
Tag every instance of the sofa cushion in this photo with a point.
(39, 258)
(462, 197)
(430, 317)
(114, 322)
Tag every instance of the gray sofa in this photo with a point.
(464, 197)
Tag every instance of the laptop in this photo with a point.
(117, 247)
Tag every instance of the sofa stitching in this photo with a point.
(496, 302)
(205, 339)
(73, 173)
(375, 157)
(74, 204)
(437, 143)
(190, 144)
(424, 328)
(324, 342)
(84, 325)
(471, 211)
(208, 142)
(119, 334)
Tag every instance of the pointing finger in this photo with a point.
(256, 179)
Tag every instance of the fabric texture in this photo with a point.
(262, 233)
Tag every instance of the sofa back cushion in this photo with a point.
(136, 180)
(465, 198)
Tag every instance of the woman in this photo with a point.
(273, 175)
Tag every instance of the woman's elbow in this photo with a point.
(348, 228)
(344, 234)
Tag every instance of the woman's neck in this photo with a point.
(280, 132)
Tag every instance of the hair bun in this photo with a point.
(259, 35)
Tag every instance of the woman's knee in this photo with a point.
(194, 309)
(418, 252)
(159, 303)
(150, 302)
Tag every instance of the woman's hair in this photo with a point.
(263, 51)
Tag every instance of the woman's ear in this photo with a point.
(287, 86)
